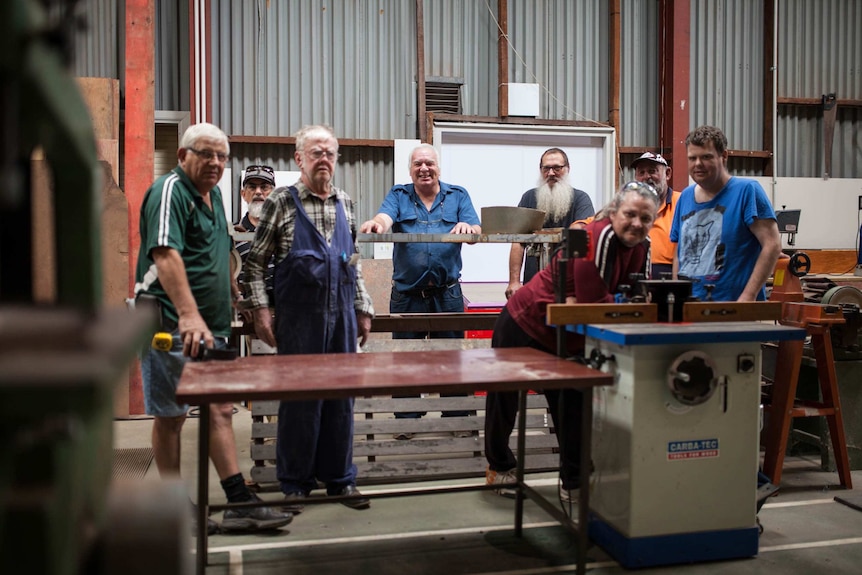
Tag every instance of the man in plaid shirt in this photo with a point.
(321, 306)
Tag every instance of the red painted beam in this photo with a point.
(675, 72)
(139, 139)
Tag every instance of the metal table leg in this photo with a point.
(203, 487)
(519, 469)
(586, 469)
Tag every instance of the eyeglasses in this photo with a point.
(263, 186)
(317, 154)
(641, 187)
(209, 155)
(553, 168)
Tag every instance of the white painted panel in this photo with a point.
(497, 164)
(226, 188)
(830, 210)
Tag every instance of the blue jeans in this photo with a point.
(160, 372)
(440, 300)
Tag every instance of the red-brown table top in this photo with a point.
(325, 376)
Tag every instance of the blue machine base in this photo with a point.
(673, 549)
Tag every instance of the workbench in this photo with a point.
(330, 376)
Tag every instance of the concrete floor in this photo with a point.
(805, 530)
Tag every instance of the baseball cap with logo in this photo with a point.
(264, 173)
(657, 158)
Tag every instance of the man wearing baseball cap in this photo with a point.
(257, 183)
(654, 170)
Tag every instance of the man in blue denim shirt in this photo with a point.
(425, 277)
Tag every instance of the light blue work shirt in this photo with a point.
(418, 264)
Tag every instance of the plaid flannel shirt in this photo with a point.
(274, 235)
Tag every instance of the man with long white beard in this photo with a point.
(258, 183)
(562, 204)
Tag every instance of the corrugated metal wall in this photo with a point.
(820, 48)
(280, 65)
(562, 46)
(640, 91)
(727, 69)
(461, 42)
(172, 55)
(100, 47)
(820, 51)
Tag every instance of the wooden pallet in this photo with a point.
(433, 453)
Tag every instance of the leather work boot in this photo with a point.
(293, 502)
(361, 503)
(254, 519)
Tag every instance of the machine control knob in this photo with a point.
(799, 265)
(692, 378)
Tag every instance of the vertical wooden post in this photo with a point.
(139, 139)
(674, 73)
(503, 58)
(420, 72)
(614, 49)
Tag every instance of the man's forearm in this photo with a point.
(516, 259)
(766, 232)
(253, 277)
(763, 267)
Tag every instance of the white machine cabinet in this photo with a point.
(675, 440)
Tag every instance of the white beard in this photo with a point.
(555, 201)
(254, 209)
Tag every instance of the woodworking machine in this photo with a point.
(676, 438)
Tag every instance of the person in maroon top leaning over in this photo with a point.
(619, 246)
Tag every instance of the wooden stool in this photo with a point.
(817, 320)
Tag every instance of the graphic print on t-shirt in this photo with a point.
(703, 252)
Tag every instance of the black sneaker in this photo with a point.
(254, 519)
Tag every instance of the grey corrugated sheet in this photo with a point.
(461, 42)
(800, 149)
(564, 49)
(820, 48)
(279, 65)
(97, 48)
(639, 92)
(727, 69)
(172, 56)
(820, 51)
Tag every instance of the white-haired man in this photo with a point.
(321, 306)
(562, 204)
(426, 276)
(184, 269)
